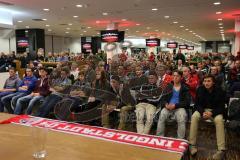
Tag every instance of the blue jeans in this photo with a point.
(3, 94)
(31, 99)
(10, 100)
(48, 104)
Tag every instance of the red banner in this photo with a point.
(149, 141)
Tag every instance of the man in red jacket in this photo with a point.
(41, 90)
(191, 81)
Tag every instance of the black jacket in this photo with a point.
(214, 100)
(184, 96)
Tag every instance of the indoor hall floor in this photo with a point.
(206, 140)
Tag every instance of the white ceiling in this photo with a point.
(198, 16)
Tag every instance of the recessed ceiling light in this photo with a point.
(89, 27)
(181, 26)
(219, 19)
(217, 3)
(75, 16)
(157, 30)
(148, 28)
(175, 22)
(218, 12)
(154, 9)
(67, 32)
(47, 25)
(166, 17)
(70, 24)
(44, 19)
(27, 26)
(105, 13)
(221, 30)
(49, 30)
(186, 29)
(221, 27)
(126, 29)
(84, 31)
(79, 5)
(68, 28)
(168, 34)
(19, 21)
(137, 31)
(138, 24)
(124, 19)
(191, 31)
(194, 33)
(46, 9)
(220, 24)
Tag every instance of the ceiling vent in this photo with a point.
(37, 19)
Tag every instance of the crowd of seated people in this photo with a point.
(156, 87)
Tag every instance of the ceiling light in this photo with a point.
(104, 13)
(67, 32)
(49, 30)
(154, 9)
(68, 28)
(98, 33)
(126, 29)
(19, 21)
(84, 31)
(137, 31)
(75, 16)
(217, 3)
(191, 31)
(138, 24)
(220, 24)
(219, 19)
(194, 33)
(81, 34)
(79, 5)
(46, 9)
(47, 25)
(27, 26)
(166, 17)
(89, 27)
(156, 30)
(175, 22)
(218, 12)
(181, 26)
(186, 29)
(221, 27)
(221, 30)
(44, 19)
(168, 34)
(124, 19)
(97, 21)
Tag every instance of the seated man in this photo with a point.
(175, 102)
(148, 99)
(41, 90)
(25, 88)
(10, 86)
(126, 103)
(210, 105)
(60, 85)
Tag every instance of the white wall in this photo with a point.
(58, 44)
(6, 46)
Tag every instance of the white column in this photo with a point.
(237, 35)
